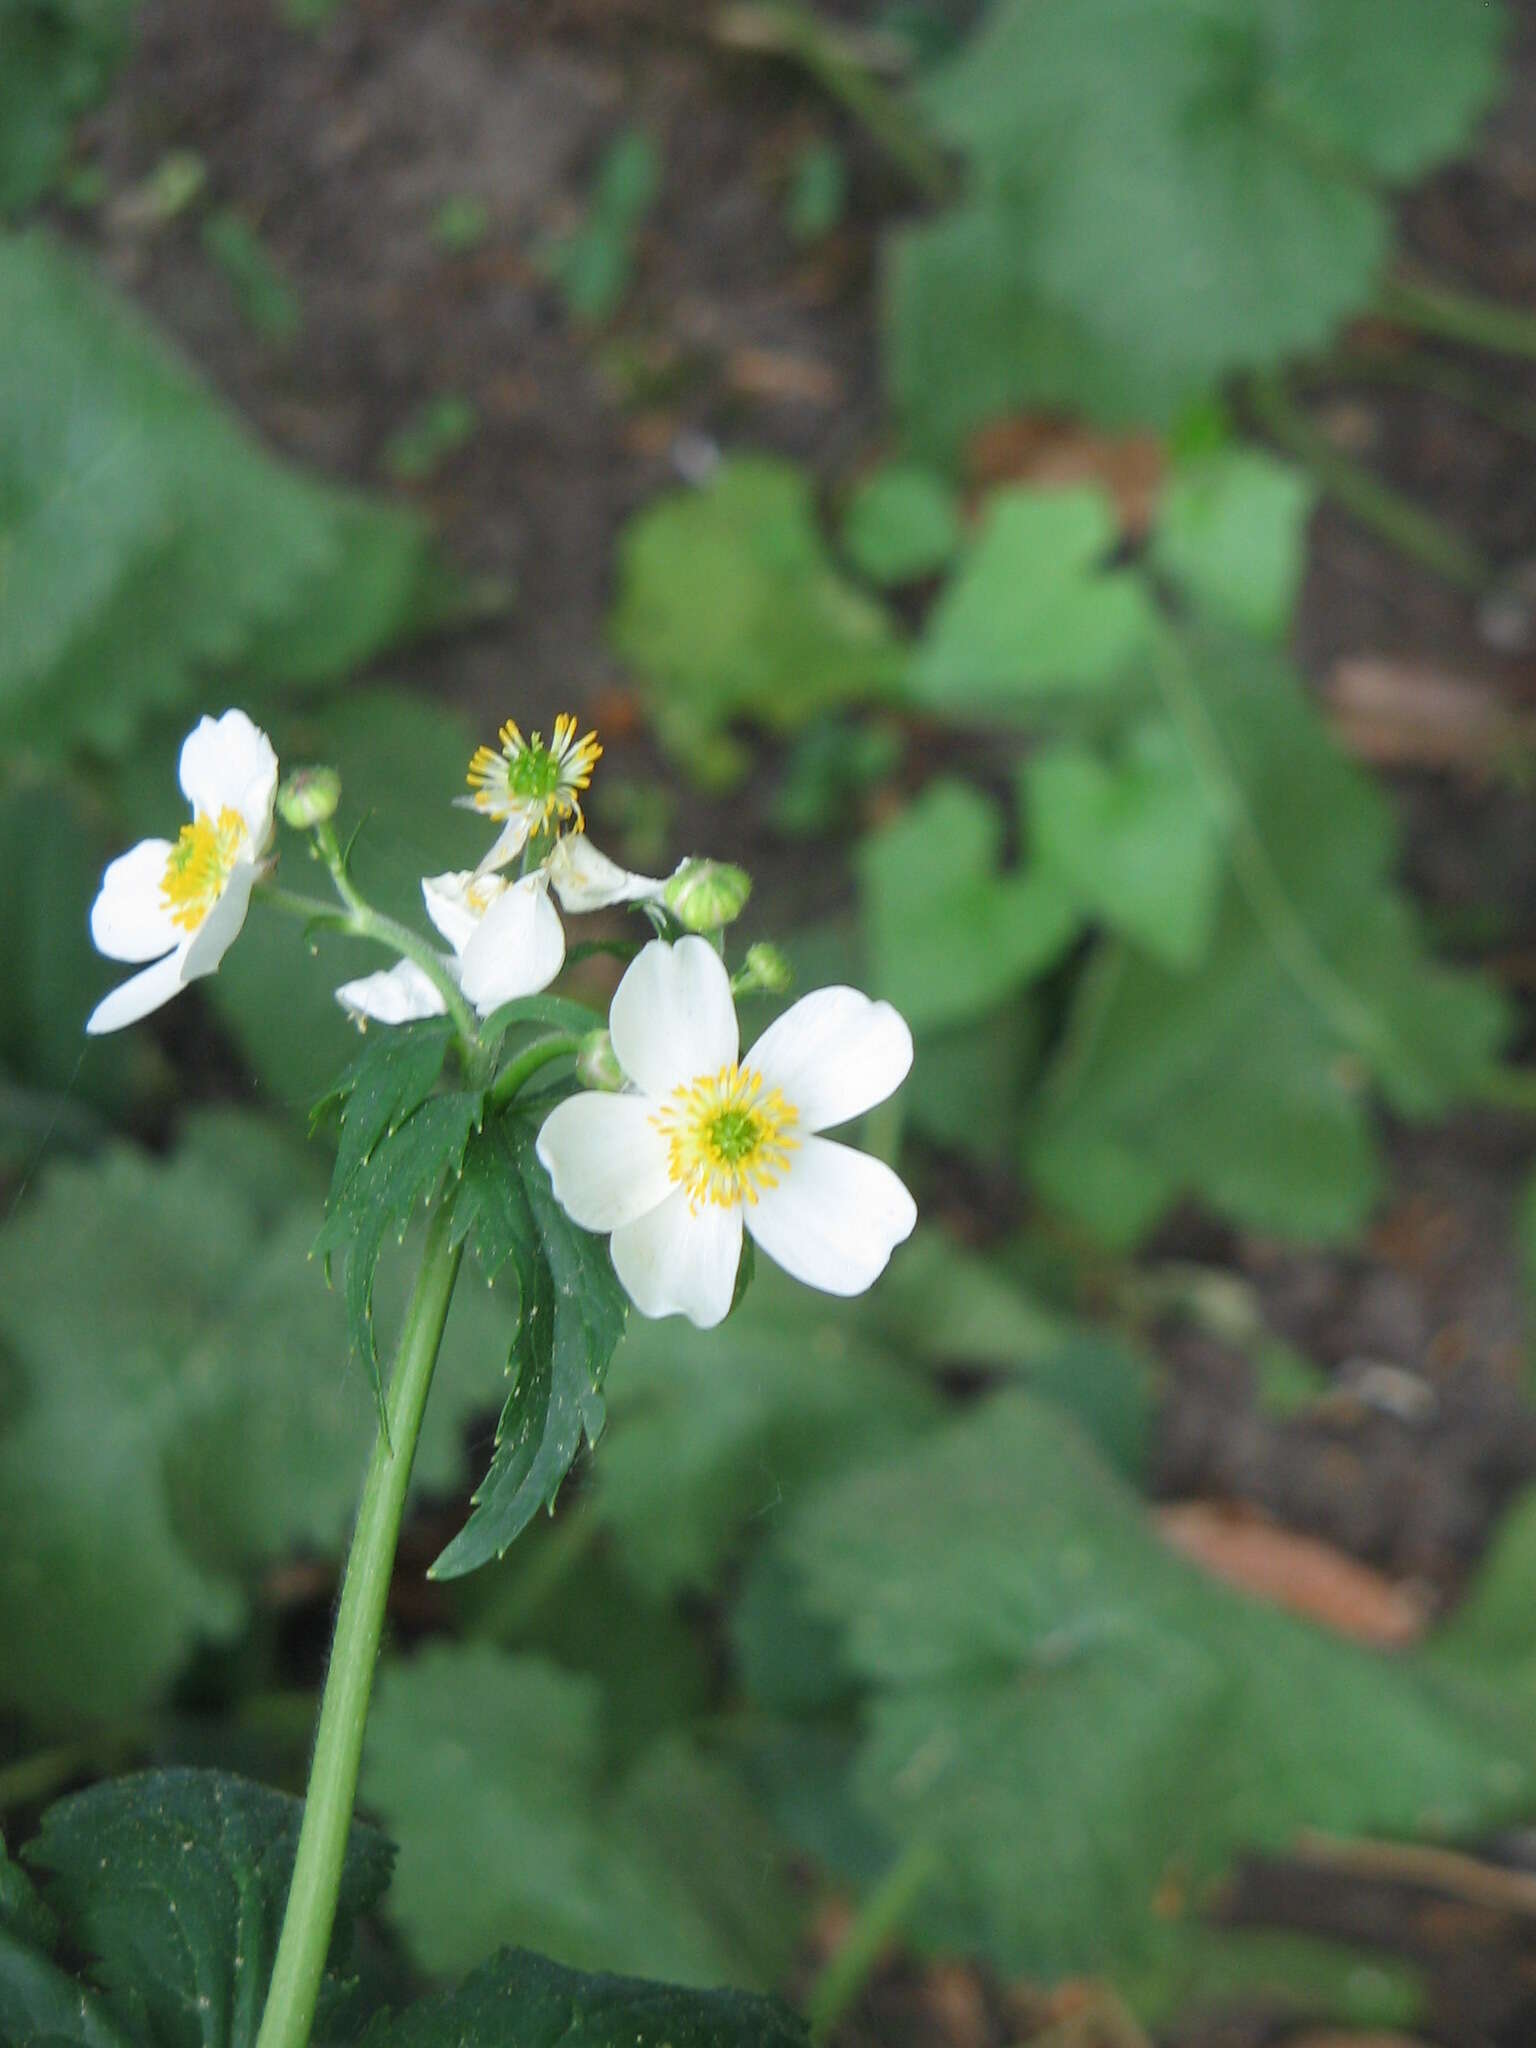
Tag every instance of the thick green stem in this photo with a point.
(311, 1911)
(560, 1045)
(1458, 316)
(1397, 519)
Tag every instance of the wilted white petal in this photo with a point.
(517, 948)
(395, 995)
(605, 1158)
(672, 1017)
(219, 929)
(228, 764)
(509, 843)
(834, 1219)
(136, 997)
(457, 901)
(834, 1054)
(129, 919)
(680, 1261)
(586, 879)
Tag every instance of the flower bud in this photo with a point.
(705, 894)
(309, 796)
(597, 1064)
(764, 970)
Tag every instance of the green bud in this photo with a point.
(765, 969)
(597, 1064)
(309, 796)
(705, 894)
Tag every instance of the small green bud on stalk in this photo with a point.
(597, 1064)
(705, 894)
(309, 797)
(764, 971)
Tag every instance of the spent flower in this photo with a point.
(703, 1144)
(528, 786)
(506, 941)
(181, 905)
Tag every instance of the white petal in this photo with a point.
(229, 762)
(512, 840)
(457, 901)
(517, 948)
(129, 919)
(395, 995)
(672, 1017)
(834, 1219)
(585, 879)
(218, 930)
(833, 1055)
(136, 997)
(606, 1159)
(680, 1262)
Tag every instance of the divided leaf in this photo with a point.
(571, 1313)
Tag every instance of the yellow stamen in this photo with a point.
(527, 776)
(200, 865)
(728, 1136)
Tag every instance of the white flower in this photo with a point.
(704, 1144)
(507, 941)
(585, 879)
(181, 906)
(528, 785)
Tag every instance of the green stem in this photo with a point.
(311, 1910)
(793, 31)
(560, 1045)
(1396, 518)
(882, 1916)
(1456, 384)
(1459, 316)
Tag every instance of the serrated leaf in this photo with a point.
(1182, 181)
(1245, 1083)
(1071, 1718)
(572, 1313)
(147, 547)
(1231, 531)
(729, 606)
(1136, 843)
(546, 2006)
(948, 936)
(902, 523)
(173, 1883)
(490, 1773)
(1031, 611)
(394, 1074)
(170, 1304)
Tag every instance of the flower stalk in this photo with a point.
(311, 1910)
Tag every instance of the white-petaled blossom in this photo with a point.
(181, 906)
(528, 786)
(506, 942)
(586, 879)
(704, 1143)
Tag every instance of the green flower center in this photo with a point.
(534, 774)
(735, 1134)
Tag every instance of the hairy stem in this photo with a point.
(311, 1910)
(558, 1046)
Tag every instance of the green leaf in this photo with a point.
(57, 57)
(1136, 844)
(546, 2006)
(571, 1313)
(947, 935)
(902, 523)
(817, 197)
(969, 1083)
(1072, 1719)
(489, 1770)
(148, 546)
(1030, 612)
(1245, 1083)
(1231, 531)
(1193, 182)
(714, 1430)
(174, 1883)
(180, 1411)
(267, 302)
(728, 605)
(593, 266)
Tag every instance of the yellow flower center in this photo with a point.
(200, 865)
(728, 1136)
(527, 775)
